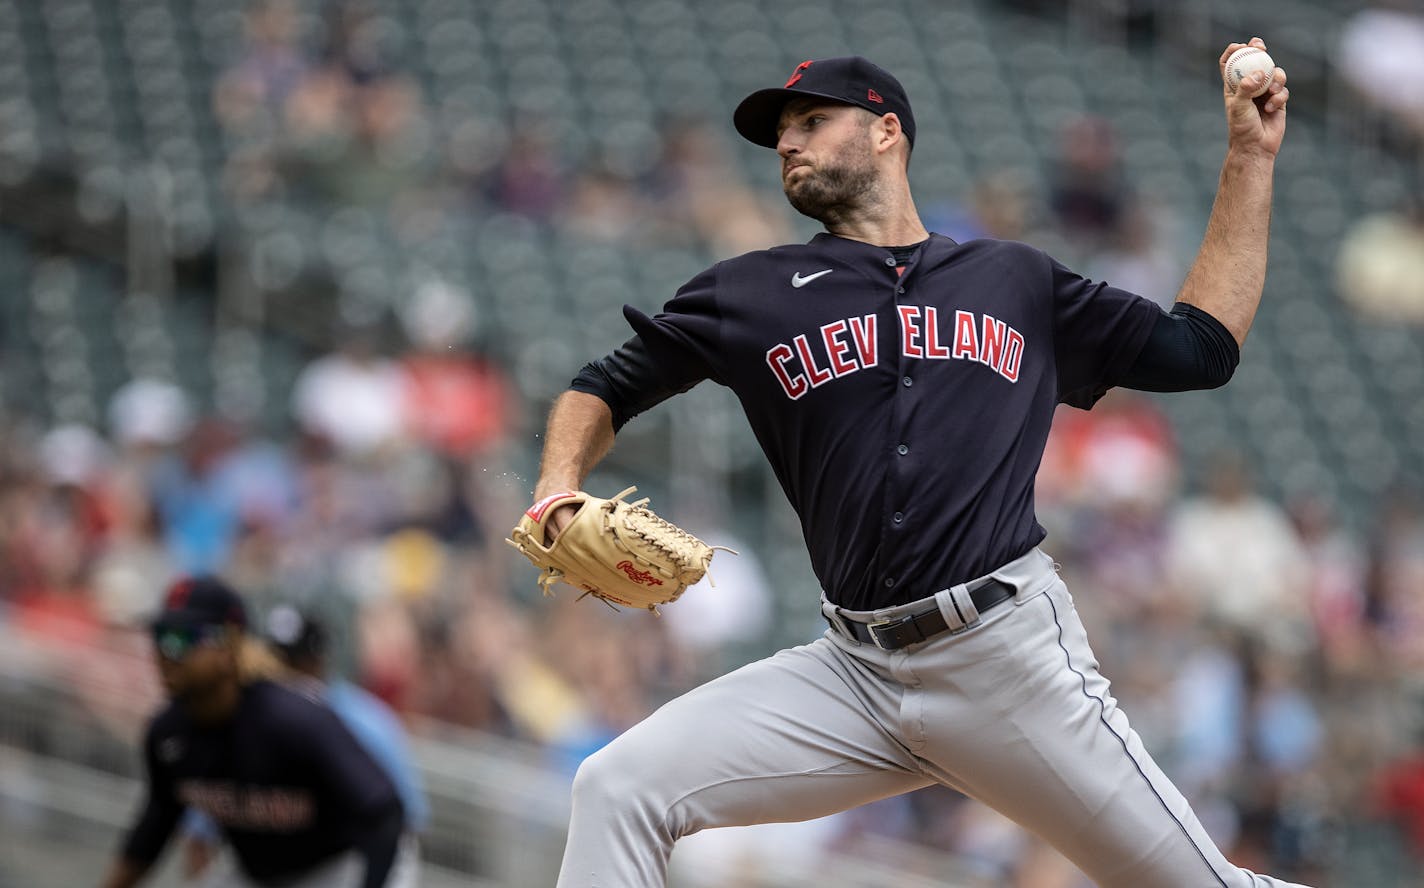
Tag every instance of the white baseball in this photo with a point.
(1246, 61)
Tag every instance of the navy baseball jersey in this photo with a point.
(904, 408)
(284, 779)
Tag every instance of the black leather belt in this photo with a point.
(891, 635)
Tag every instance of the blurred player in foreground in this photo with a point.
(302, 804)
(302, 644)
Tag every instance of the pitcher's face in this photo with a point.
(827, 157)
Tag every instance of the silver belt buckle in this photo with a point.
(875, 636)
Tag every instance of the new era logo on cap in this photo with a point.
(850, 80)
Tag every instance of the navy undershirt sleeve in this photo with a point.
(1187, 349)
(629, 381)
(672, 352)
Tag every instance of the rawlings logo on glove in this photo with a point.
(615, 550)
(638, 576)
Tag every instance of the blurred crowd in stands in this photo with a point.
(1271, 657)
(1380, 271)
(344, 125)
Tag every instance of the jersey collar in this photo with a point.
(859, 251)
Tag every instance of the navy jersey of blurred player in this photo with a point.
(299, 800)
(302, 643)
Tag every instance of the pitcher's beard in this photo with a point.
(830, 195)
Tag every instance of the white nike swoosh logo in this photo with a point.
(798, 281)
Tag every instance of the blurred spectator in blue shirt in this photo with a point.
(302, 642)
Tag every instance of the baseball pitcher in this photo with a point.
(902, 386)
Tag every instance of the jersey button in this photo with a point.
(900, 290)
(903, 449)
(908, 381)
(889, 582)
(890, 261)
(899, 516)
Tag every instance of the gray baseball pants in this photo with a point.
(1011, 711)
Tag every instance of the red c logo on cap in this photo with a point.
(178, 595)
(796, 75)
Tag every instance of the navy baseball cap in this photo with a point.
(850, 80)
(197, 602)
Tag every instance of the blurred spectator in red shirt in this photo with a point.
(1399, 797)
(1122, 451)
(456, 401)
